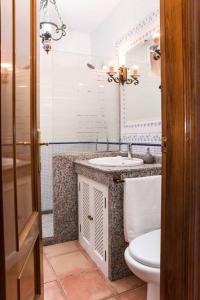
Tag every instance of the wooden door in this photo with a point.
(19, 165)
(180, 50)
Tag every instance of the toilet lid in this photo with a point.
(146, 249)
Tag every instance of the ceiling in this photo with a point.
(86, 15)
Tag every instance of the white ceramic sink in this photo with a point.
(117, 161)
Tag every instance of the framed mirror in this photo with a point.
(143, 101)
(140, 106)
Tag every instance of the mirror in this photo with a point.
(143, 102)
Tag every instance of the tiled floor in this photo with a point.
(69, 274)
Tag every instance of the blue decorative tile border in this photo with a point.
(137, 34)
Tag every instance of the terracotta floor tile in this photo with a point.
(138, 294)
(86, 286)
(59, 249)
(86, 255)
(72, 263)
(53, 292)
(126, 284)
(49, 275)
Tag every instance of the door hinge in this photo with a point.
(105, 203)
(39, 167)
(80, 227)
(79, 186)
(164, 144)
(105, 255)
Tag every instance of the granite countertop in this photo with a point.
(118, 170)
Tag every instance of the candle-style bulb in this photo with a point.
(111, 67)
(156, 38)
(135, 70)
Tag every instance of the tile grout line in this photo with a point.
(49, 264)
(59, 287)
(108, 283)
(126, 292)
(79, 248)
(58, 279)
(49, 281)
(116, 294)
(57, 255)
(62, 290)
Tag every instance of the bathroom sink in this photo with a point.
(117, 161)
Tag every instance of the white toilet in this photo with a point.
(142, 205)
(143, 259)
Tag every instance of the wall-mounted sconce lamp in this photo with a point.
(155, 48)
(5, 69)
(50, 31)
(121, 75)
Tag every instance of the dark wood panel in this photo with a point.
(26, 280)
(192, 213)
(7, 203)
(20, 219)
(23, 111)
(181, 163)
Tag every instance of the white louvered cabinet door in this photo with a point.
(93, 221)
(85, 230)
(100, 228)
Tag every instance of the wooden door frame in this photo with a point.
(2, 237)
(180, 255)
(34, 103)
(180, 249)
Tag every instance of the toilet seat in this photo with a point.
(145, 249)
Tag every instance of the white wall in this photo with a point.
(75, 103)
(82, 101)
(75, 42)
(127, 14)
(75, 100)
(58, 84)
(78, 103)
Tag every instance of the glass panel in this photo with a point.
(7, 145)
(76, 102)
(81, 91)
(23, 106)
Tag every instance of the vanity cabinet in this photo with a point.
(93, 220)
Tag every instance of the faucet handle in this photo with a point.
(129, 150)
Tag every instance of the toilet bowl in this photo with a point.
(143, 259)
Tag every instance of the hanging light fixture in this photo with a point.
(50, 31)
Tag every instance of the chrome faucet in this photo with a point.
(108, 145)
(130, 151)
